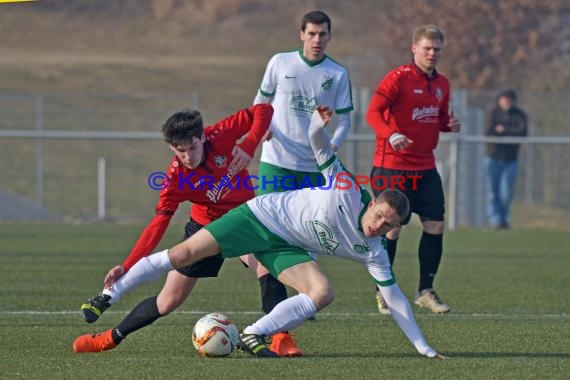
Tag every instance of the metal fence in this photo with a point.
(543, 189)
(50, 147)
(63, 153)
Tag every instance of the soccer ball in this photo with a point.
(215, 335)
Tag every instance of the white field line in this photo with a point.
(322, 314)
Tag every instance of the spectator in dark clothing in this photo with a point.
(501, 164)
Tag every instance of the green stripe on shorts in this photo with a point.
(239, 232)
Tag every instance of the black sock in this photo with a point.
(430, 251)
(272, 292)
(391, 248)
(142, 315)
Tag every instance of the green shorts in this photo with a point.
(275, 179)
(239, 232)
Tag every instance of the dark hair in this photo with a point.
(182, 127)
(317, 18)
(511, 94)
(396, 200)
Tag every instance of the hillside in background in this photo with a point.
(164, 46)
(125, 65)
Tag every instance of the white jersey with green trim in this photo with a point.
(326, 220)
(294, 86)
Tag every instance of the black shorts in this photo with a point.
(423, 189)
(208, 267)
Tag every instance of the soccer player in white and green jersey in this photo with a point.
(294, 83)
(339, 219)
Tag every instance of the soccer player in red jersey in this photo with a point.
(408, 110)
(209, 170)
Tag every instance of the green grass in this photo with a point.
(508, 291)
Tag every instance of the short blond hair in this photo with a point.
(429, 31)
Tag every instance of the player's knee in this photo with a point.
(434, 227)
(169, 303)
(322, 296)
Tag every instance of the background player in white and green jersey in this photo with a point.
(339, 219)
(294, 83)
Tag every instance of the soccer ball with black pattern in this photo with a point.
(215, 335)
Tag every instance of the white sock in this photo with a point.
(402, 313)
(145, 270)
(287, 315)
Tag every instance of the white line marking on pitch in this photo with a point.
(324, 314)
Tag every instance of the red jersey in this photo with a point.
(206, 186)
(409, 102)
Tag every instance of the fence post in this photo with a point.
(351, 151)
(101, 188)
(452, 209)
(529, 171)
(195, 100)
(39, 151)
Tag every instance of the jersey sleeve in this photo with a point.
(253, 121)
(155, 229)
(380, 269)
(343, 107)
(343, 101)
(328, 163)
(444, 113)
(404, 317)
(321, 145)
(262, 114)
(268, 84)
(342, 129)
(148, 240)
(385, 95)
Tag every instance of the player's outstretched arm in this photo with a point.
(148, 239)
(341, 131)
(199, 246)
(404, 317)
(320, 141)
(256, 129)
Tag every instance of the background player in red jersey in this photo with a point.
(204, 159)
(407, 112)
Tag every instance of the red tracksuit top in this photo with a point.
(211, 201)
(409, 102)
